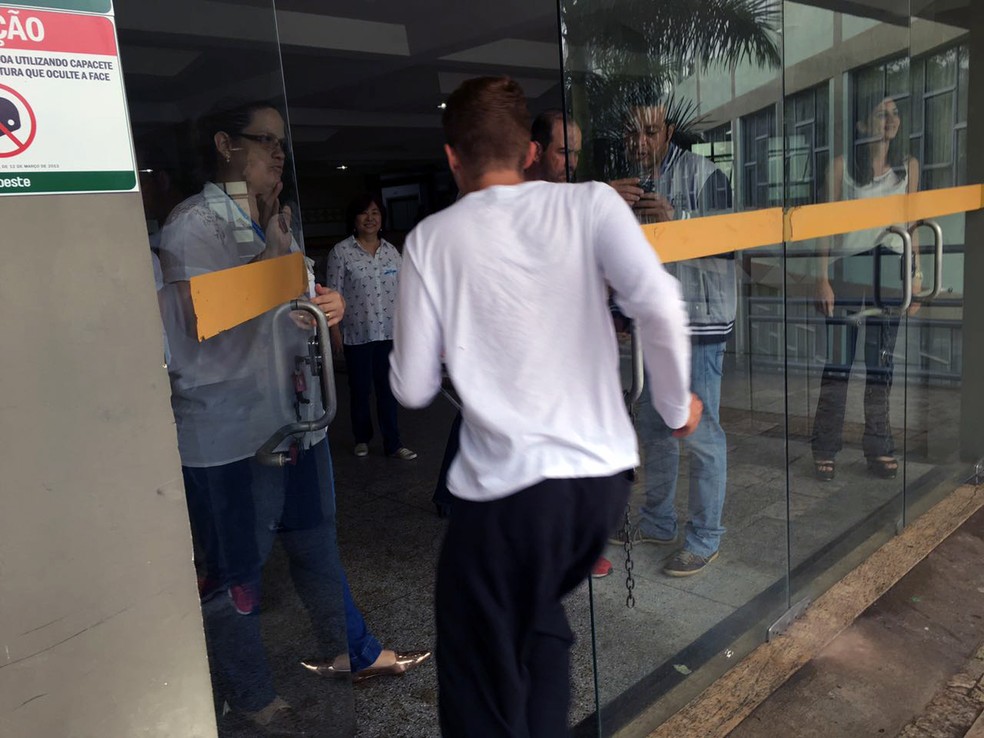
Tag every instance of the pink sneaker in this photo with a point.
(245, 598)
(602, 568)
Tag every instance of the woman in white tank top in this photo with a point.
(880, 167)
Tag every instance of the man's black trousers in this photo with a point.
(503, 640)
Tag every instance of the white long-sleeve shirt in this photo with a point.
(510, 286)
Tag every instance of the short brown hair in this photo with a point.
(487, 123)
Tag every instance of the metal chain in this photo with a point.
(631, 399)
(629, 563)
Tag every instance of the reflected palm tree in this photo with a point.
(625, 52)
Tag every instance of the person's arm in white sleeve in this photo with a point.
(647, 293)
(415, 362)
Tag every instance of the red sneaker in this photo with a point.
(602, 568)
(245, 598)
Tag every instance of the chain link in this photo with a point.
(629, 563)
(627, 524)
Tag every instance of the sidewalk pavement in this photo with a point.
(912, 665)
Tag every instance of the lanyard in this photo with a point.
(256, 228)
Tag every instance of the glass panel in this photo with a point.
(918, 94)
(963, 84)
(962, 156)
(941, 71)
(625, 81)
(941, 437)
(366, 82)
(936, 178)
(206, 97)
(939, 129)
(845, 425)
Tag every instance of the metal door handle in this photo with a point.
(937, 256)
(906, 266)
(638, 373)
(267, 453)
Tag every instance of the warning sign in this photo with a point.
(63, 118)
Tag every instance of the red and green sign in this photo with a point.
(63, 117)
(78, 6)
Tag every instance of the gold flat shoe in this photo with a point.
(405, 661)
(326, 668)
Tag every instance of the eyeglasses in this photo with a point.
(267, 141)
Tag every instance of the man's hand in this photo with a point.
(629, 189)
(653, 208)
(649, 207)
(696, 410)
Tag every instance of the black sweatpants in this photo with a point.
(503, 641)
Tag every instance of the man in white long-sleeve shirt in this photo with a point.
(510, 286)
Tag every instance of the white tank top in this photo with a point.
(856, 242)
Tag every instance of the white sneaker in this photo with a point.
(404, 454)
(362, 449)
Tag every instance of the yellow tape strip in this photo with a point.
(937, 203)
(224, 299)
(722, 234)
(227, 298)
(716, 234)
(829, 219)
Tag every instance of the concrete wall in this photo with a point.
(100, 628)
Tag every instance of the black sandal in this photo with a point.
(884, 467)
(823, 469)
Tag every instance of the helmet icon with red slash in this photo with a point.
(10, 119)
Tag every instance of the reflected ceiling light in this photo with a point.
(442, 106)
(341, 166)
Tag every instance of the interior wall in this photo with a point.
(99, 617)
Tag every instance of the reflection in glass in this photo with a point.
(847, 443)
(940, 335)
(229, 394)
(646, 84)
(219, 193)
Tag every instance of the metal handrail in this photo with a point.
(634, 392)
(937, 256)
(906, 266)
(267, 453)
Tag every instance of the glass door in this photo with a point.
(685, 125)
(940, 435)
(206, 98)
(838, 186)
(848, 123)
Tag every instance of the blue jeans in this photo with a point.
(298, 503)
(708, 461)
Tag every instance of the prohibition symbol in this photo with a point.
(17, 123)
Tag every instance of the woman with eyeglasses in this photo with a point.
(229, 394)
(856, 273)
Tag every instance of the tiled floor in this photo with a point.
(389, 538)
